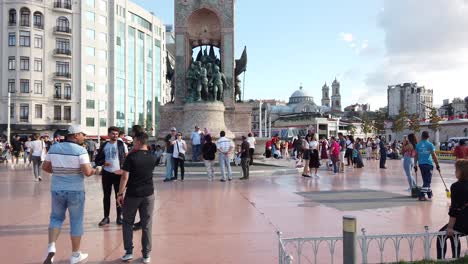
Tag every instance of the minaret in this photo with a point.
(325, 95)
(336, 97)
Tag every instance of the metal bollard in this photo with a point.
(349, 239)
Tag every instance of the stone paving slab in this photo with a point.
(197, 221)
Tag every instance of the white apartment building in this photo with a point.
(93, 62)
(410, 97)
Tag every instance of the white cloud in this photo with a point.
(347, 37)
(430, 48)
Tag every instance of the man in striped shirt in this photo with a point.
(225, 147)
(69, 163)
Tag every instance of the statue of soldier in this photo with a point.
(192, 78)
(198, 70)
(204, 84)
(217, 83)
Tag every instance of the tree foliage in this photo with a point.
(379, 122)
(414, 123)
(351, 129)
(434, 120)
(400, 121)
(367, 126)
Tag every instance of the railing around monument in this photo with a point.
(372, 248)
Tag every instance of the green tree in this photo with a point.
(434, 120)
(379, 122)
(399, 123)
(414, 123)
(351, 129)
(366, 125)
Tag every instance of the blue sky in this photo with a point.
(311, 42)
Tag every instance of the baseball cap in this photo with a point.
(76, 129)
(173, 129)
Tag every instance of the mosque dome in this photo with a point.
(300, 96)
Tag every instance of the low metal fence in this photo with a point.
(371, 248)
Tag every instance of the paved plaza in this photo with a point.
(197, 221)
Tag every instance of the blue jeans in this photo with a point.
(196, 152)
(223, 163)
(408, 163)
(426, 173)
(73, 201)
(169, 166)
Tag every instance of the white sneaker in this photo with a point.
(316, 176)
(127, 257)
(147, 259)
(40, 178)
(50, 255)
(36, 179)
(77, 259)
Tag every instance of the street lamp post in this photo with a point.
(8, 118)
(260, 134)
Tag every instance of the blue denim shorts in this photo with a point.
(73, 201)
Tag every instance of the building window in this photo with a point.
(90, 51)
(11, 63)
(25, 17)
(38, 20)
(38, 41)
(90, 87)
(38, 111)
(24, 86)
(58, 91)
(57, 112)
(90, 104)
(90, 33)
(67, 91)
(103, 5)
(63, 44)
(90, 16)
(67, 113)
(63, 68)
(102, 20)
(102, 54)
(24, 112)
(118, 41)
(11, 85)
(12, 39)
(90, 68)
(12, 110)
(103, 122)
(38, 65)
(25, 39)
(38, 87)
(63, 25)
(24, 63)
(90, 122)
(102, 37)
(12, 17)
(90, 3)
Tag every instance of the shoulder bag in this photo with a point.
(181, 156)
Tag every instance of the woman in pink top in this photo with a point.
(409, 146)
(334, 153)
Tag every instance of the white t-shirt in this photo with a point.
(37, 147)
(179, 149)
(349, 144)
(27, 146)
(313, 145)
(251, 141)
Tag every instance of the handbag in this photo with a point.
(181, 156)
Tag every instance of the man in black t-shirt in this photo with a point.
(16, 148)
(137, 176)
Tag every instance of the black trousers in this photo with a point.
(251, 153)
(440, 239)
(245, 167)
(110, 179)
(145, 206)
(383, 159)
(178, 163)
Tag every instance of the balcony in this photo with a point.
(62, 30)
(57, 96)
(67, 97)
(61, 6)
(12, 23)
(64, 53)
(62, 75)
(39, 26)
